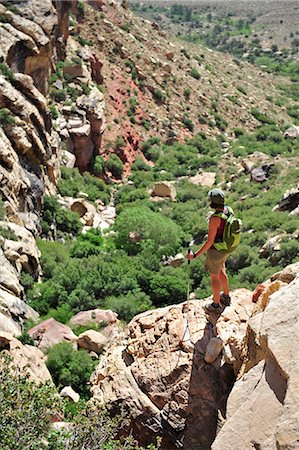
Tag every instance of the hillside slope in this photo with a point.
(155, 86)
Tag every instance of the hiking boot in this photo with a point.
(213, 307)
(225, 299)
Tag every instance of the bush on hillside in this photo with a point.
(70, 367)
(89, 243)
(137, 224)
(72, 182)
(54, 215)
(25, 409)
(115, 165)
(129, 305)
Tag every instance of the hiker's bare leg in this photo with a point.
(224, 281)
(216, 285)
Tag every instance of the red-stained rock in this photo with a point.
(96, 67)
(50, 332)
(94, 316)
(257, 292)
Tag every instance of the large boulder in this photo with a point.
(204, 179)
(289, 201)
(164, 189)
(292, 132)
(159, 373)
(14, 312)
(24, 251)
(104, 316)
(92, 340)
(27, 358)
(50, 332)
(262, 407)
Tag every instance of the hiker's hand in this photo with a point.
(190, 255)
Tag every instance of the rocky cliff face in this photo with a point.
(176, 368)
(32, 38)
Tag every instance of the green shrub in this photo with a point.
(25, 409)
(96, 326)
(90, 243)
(54, 111)
(140, 164)
(70, 367)
(6, 233)
(168, 286)
(195, 74)
(138, 224)
(6, 118)
(62, 313)
(65, 220)
(188, 123)
(72, 182)
(158, 95)
(115, 165)
(262, 117)
(59, 95)
(6, 71)
(98, 165)
(129, 305)
(187, 93)
(2, 211)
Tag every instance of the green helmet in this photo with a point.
(216, 196)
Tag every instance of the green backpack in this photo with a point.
(231, 233)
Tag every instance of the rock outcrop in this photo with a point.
(159, 371)
(104, 316)
(261, 409)
(26, 358)
(30, 43)
(208, 382)
(50, 332)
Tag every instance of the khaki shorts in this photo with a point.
(215, 260)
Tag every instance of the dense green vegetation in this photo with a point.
(70, 367)
(126, 270)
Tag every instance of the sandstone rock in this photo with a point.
(158, 371)
(16, 309)
(164, 189)
(26, 245)
(268, 385)
(73, 71)
(8, 325)
(94, 316)
(292, 132)
(289, 201)
(169, 55)
(69, 392)
(177, 260)
(68, 159)
(213, 350)
(272, 245)
(204, 179)
(9, 277)
(85, 210)
(256, 158)
(260, 174)
(50, 332)
(28, 359)
(288, 274)
(92, 341)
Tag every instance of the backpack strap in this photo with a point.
(223, 215)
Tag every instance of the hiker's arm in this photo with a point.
(213, 227)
